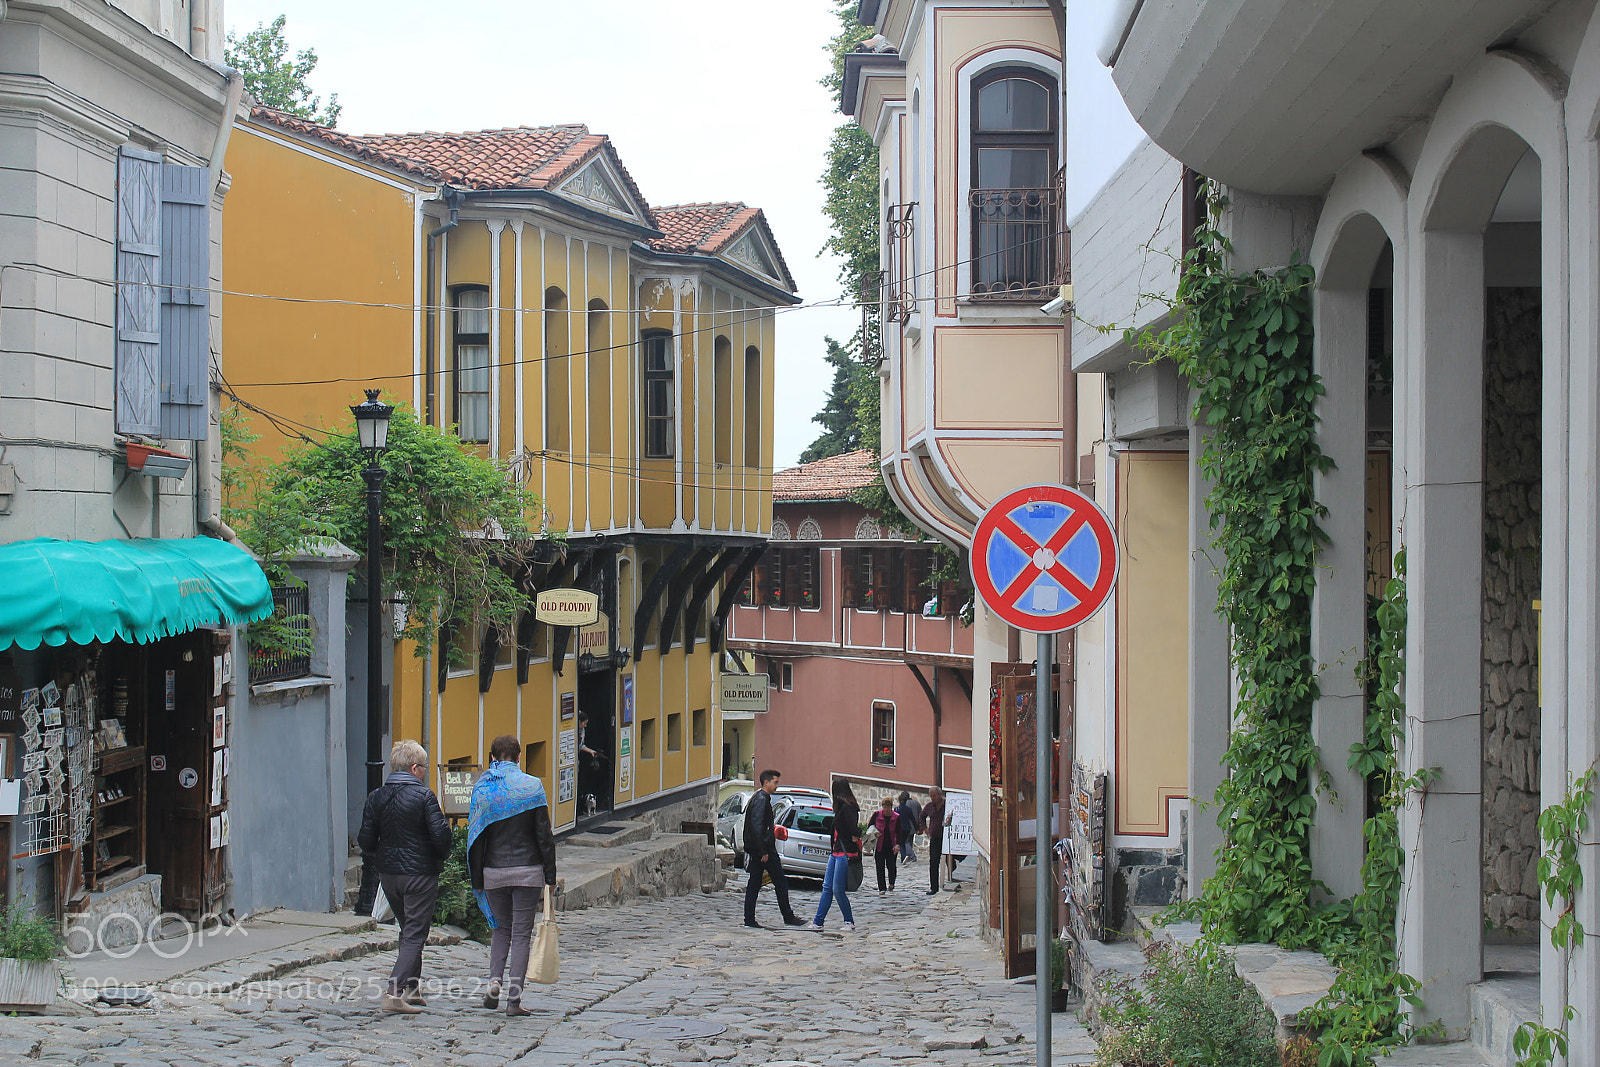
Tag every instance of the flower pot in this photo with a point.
(1058, 1000)
(28, 985)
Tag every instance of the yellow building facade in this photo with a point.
(616, 358)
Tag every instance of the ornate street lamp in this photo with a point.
(372, 429)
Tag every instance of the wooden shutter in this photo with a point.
(850, 571)
(138, 354)
(882, 577)
(185, 302)
(793, 596)
(897, 579)
(761, 579)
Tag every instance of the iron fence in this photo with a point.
(1015, 233)
(293, 659)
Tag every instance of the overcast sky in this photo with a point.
(704, 100)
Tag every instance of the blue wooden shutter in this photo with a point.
(138, 362)
(185, 303)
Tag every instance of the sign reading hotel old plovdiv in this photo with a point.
(744, 692)
(567, 607)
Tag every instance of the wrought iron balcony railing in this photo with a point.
(900, 288)
(1015, 238)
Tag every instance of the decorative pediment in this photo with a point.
(596, 184)
(751, 251)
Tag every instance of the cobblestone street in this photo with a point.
(914, 983)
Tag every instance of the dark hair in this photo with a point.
(842, 793)
(505, 747)
(767, 776)
(904, 796)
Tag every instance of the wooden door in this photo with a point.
(1016, 810)
(181, 702)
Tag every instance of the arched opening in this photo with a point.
(752, 406)
(722, 405)
(557, 373)
(598, 372)
(1474, 542)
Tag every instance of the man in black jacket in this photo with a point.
(403, 826)
(761, 853)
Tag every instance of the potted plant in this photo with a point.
(1058, 974)
(30, 974)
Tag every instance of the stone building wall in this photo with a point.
(1512, 382)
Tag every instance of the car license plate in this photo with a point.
(808, 850)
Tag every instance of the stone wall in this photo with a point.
(1512, 383)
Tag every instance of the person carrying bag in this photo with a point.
(511, 855)
(544, 960)
(844, 830)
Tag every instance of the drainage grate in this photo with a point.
(666, 1028)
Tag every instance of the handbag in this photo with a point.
(855, 874)
(544, 957)
(381, 910)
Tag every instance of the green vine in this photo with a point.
(1365, 1010)
(1243, 340)
(1561, 826)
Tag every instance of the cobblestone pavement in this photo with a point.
(913, 984)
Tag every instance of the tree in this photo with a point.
(275, 80)
(839, 418)
(456, 528)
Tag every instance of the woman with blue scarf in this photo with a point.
(511, 857)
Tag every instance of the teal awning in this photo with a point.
(60, 592)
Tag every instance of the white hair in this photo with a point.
(406, 753)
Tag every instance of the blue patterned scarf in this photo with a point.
(502, 791)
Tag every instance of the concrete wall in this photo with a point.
(288, 777)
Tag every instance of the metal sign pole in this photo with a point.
(1044, 835)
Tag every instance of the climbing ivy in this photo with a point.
(1243, 340)
(1365, 1009)
(1562, 826)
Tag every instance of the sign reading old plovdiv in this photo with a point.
(567, 607)
(744, 692)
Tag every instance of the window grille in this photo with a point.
(289, 607)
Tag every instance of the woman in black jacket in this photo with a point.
(846, 835)
(511, 858)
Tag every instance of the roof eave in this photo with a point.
(755, 281)
(639, 230)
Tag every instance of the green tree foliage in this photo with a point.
(456, 530)
(839, 419)
(275, 80)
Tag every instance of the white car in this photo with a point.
(730, 813)
(809, 846)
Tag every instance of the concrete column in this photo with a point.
(1210, 678)
(1440, 929)
(1338, 608)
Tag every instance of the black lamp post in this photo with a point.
(372, 429)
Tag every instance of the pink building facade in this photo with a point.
(870, 664)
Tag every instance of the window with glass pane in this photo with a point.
(658, 405)
(472, 364)
(1014, 213)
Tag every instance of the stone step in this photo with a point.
(1456, 1054)
(611, 834)
(1500, 1004)
(666, 865)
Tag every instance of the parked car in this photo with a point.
(730, 813)
(809, 845)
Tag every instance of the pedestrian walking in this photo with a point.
(845, 833)
(887, 823)
(511, 857)
(408, 839)
(910, 813)
(933, 817)
(761, 853)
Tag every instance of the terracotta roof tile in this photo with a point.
(356, 146)
(834, 478)
(709, 228)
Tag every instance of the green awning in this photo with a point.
(59, 592)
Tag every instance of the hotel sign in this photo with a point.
(744, 692)
(567, 607)
(595, 639)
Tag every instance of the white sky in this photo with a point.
(704, 100)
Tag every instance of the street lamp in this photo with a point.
(372, 430)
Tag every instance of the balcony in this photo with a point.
(900, 280)
(1017, 243)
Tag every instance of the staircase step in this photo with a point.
(1501, 1004)
(1457, 1054)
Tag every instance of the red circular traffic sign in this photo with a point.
(1044, 558)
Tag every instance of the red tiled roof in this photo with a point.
(356, 146)
(709, 228)
(834, 478)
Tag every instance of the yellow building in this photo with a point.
(514, 284)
